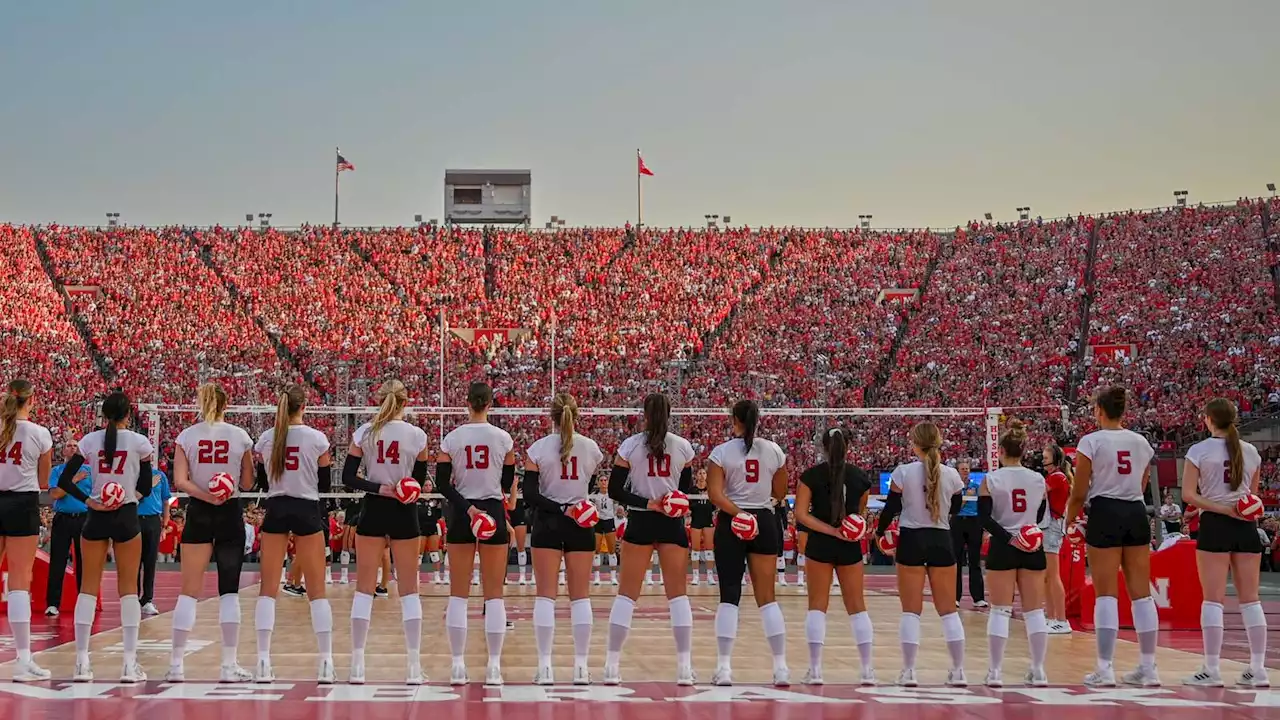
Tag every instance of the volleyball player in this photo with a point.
(802, 542)
(701, 533)
(1013, 497)
(648, 466)
(1057, 489)
(827, 493)
(350, 519)
(1112, 471)
(429, 524)
(298, 469)
(390, 450)
(518, 519)
(124, 457)
(214, 529)
(606, 532)
(1217, 473)
(26, 459)
(926, 493)
(485, 463)
(746, 476)
(557, 477)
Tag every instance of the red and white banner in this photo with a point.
(1114, 351)
(491, 336)
(904, 296)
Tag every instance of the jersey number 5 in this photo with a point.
(291, 461)
(753, 471)
(1123, 465)
(213, 452)
(1019, 500)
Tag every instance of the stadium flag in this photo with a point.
(641, 167)
(344, 165)
(338, 168)
(641, 170)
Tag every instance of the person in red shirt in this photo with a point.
(1191, 522)
(1057, 492)
(169, 536)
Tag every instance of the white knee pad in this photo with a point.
(455, 614)
(435, 557)
(681, 612)
(1211, 614)
(362, 606)
(620, 613)
(909, 628)
(580, 612)
(184, 613)
(19, 606)
(726, 620)
(952, 628)
(495, 616)
(815, 627)
(1145, 617)
(264, 615)
(998, 621)
(544, 612)
(86, 609)
(321, 616)
(1252, 615)
(1035, 622)
(130, 611)
(410, 608)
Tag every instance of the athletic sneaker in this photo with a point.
(1059, 627)
(723, 677)
(581, 675)
(993, 679)
(981, 604)
(493, 675)
(150, 609)
(294, 590)
(132, 673)
(712, 580)
(1254, 678)
(1143, 677)
(356, 675)
(458, 674)
(868, 677)
(956, 678)
(907, 678)
(233, 673)
(1035, 677)
(544, 676)
(694, 581)
(414, 675)
(51, 611)
(29, 671)
(326, 675)
(782, 677)
(83, 673)
(263, 673)
(612, 675)
(1205, 677)
(813, 676)
(1101, 678)
(381, 591)
(685, 677)
(175, 674)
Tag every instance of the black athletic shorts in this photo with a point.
(19, 514)
(649, 527)
(1117, 523)
(387, 517)
(519, 515)
(427, 519)
(822, 548)
(458, 531)
(286, 514)
(1003, 556)
(927, 547)
(606, 527)
(557, 531)
(766, 542)
(701, 514)
(213, 524)
(1225, 534)
(120, 525)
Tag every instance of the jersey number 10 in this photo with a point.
(660, 466)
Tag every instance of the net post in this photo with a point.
(991, 438)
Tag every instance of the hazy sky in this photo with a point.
(776, 112)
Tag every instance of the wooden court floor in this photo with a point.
(648, 656)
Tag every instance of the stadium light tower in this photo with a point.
(264, 220)
(864, 221)
(987, 216)
(113, 219)
(1272, 188)
(248, 218)
(1024, 213)
(1180, 197)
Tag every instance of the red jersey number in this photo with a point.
(14, 455)
(1019, 500)
(389, 452)
(291, 461)
(104, 464)
(213, 452)
(1124, 466)
(660, 466)
(569, 470)
(753, 471)
(477, 457)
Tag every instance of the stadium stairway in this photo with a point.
(77, 320)
(714, 333)
(1076, 377)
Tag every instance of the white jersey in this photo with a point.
(213, 448)
(604, 506)
(565, 482)
(389, 458)
(478, 451)
(19, 461)
(748, 476)
(1120, 459)
(1016, 494)
(652, 477)
(910, 479)
(304, 446)
(1210, 457)
(131, 450)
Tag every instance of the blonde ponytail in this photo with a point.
(14, 400)
(212, 400)
(928, 439)
(392, 398)
(291, 402)
(564, 413)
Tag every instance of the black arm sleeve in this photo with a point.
(892, 508)
(420, 471)
(1044, 508)
(508, 477)
(144, 478)
(533, 493)
(261, 482)
(444, 485)
(957, 504)
(351, 477)
(67, 480)
(618, 491)
(324, 479)
(686, 480)
(989, 523)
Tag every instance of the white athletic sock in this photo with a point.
(1211, 629)
(863, 636)
(1255, 627)
(544, 627)
(411, 623)
(581, 617)
(909, 638)
(619, 626)
(682, 628)
(1037, 637)
(726, 632)
(130, 619)
(775, 631)
(1106, 626)
(998, 634)
(264, 621)
(20, 622)
(229, 621)
(522, 559)
(361, 613)
(455, 619)
(953, 633)
(815, 634)
(184, 619)
(1146, 623)
(86, 611)
(495, 628)
(322, 624)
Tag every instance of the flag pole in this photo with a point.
(442, 332)
(553, 353)
(336, 154)
(639, 210)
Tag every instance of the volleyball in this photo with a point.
(408, 490)
(745, 526)
(889, 540)
(222, 486)
(674, 504)
(1029, 539)
(1075, 533)
(1249, 507)
(112, 495)
(483, 526)
(853, 528)
(584, 513)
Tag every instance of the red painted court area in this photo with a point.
(641, 701)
